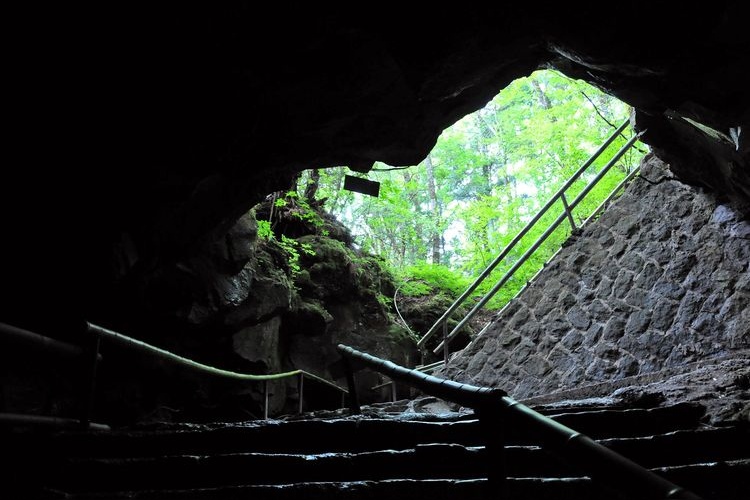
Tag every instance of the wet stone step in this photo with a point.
(398, 489)
(601, 424)
(338, 435)
(684, 446)
(724, 480)
(423, 461)
(712, 481)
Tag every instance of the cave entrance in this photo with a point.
(435, 226)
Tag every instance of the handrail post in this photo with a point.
(393, 391)
(300, 389)
(567, 211)
(265, 400)
(91, 365)
(353, 399)
(445, 343)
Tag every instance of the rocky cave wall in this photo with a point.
(659, 280)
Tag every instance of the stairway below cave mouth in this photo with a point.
(405, 456)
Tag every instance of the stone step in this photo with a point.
(392, 489)
(353, 434)
(605, 423)
(712, 481)
(684, 446)
(422, 462)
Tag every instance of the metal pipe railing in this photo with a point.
(530, 251)
(488, 270)
(126, 341)
(594, 459)
(30, 340)
(129, 342)
(90, 357)
(22, 419)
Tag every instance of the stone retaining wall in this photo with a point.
(662, 278)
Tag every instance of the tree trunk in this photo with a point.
(312, 185)
(435, 233)
(544, 101)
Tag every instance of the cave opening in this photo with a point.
(436, 225)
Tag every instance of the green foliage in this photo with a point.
(299, 208)
(291, 247)
(441, 222)
(264, 230)
(425, 278)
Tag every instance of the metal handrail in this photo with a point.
(530, 251)
(478, 281)
(559, 195)
(495, 406)
(28, 339)
(210, 370)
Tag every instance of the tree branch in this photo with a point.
(607, 121)
(597, 111)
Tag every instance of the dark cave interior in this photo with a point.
(193, 113)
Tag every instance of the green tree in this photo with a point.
(486, 177)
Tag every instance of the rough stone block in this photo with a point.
(628, 226)
(537, 366)
(689, 308)
(617, 248)
(622, 284)
(577, 260)
(633, 262)
(572, 377)
(522, 352)
(648, 277)
(570, 280)
(627, 366)
(509, 340)
(561, 358)
(637, 323)
(715, 301)
(614, 329)
(591, 277)
(532, 331)
(605, 287)
(706, 324)
(669, 290)
(608, 352)
(663, 314)
(572, 340)
(592, 335)
(520, 318)
(567, 300)
(599, 311)
(606, 239)
(679, 267)
(636, 297)
(586, 295)
(600, 369)
(578, 318)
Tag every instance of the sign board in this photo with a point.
(364, 186)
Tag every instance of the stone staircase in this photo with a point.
(404, 456)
